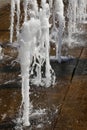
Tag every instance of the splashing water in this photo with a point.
(35, 45)
(34, 41)
(34, 53)
(26, 39)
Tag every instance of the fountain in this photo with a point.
(33, 60)
(77, 10)
(34, 39)
(57, 31)
(81, 10)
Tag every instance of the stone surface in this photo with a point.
(73, 114)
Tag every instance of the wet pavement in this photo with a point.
(73, 115)
(63, 106)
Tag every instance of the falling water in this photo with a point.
(50, 3)
(35, 45)
(34, 41)
(26, 2)
(59, 9)
(34, 52)
(18, 17)
(57, 31)
(77, 10)
(1, 54)
(72, 8)
(26, 39)
(12, 19)
(81, 10)
(14, 3)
